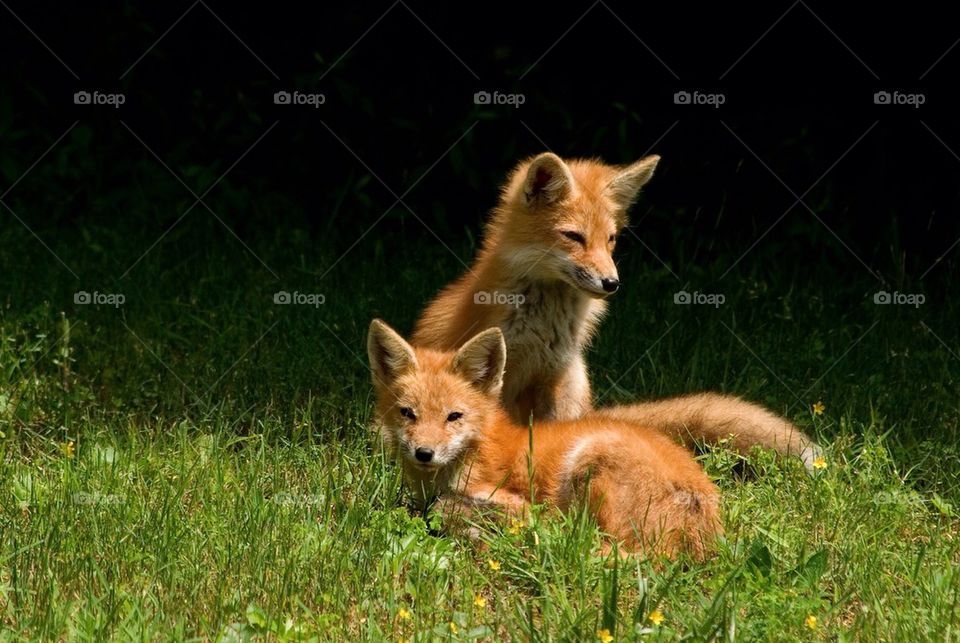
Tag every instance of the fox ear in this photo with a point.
(390, 355)
(482, 360)
(548, 180)
(626, 185)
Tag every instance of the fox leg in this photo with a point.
(569, 397)
(664, 517)
(459, 514)
(461, 510)
(645, 491)
(507, 500)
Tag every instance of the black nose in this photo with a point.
(424, 454)
(610, 285)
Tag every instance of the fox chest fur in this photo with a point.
(548, 328)
(545, 335)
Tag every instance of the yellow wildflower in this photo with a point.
(811, 622)
(820, 462)
(494, 565)
(67, 449)
(404, 614)
(604, 636)
(818, 407)
(656, 617)
(479, 601)
(453, 628)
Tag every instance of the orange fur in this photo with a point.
(526, 252)
(645, 491)
(712, 417)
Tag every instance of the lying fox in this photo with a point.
(543, 275)
(440, 413)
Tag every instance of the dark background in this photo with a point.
(399, 81)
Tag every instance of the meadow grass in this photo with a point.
(198, 462)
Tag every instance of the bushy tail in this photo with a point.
(711, 417)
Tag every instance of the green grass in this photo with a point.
(223, 481)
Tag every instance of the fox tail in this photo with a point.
(711, 417)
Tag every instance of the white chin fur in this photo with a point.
(594, 290)
(597, 293)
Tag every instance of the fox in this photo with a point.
(543, 275)
(440, 414)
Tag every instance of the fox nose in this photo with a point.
(424, 454)
(610, 285)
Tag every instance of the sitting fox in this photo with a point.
(440, 413)
(542, 277)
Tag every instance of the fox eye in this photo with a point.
(453, 417)
(408, 413)
(612, 238)
(574, 236)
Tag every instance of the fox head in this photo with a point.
(559, 220)
(433, 406)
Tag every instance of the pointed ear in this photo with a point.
(482, 360)
(548, 180)
(390, 355)
(626, 185)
